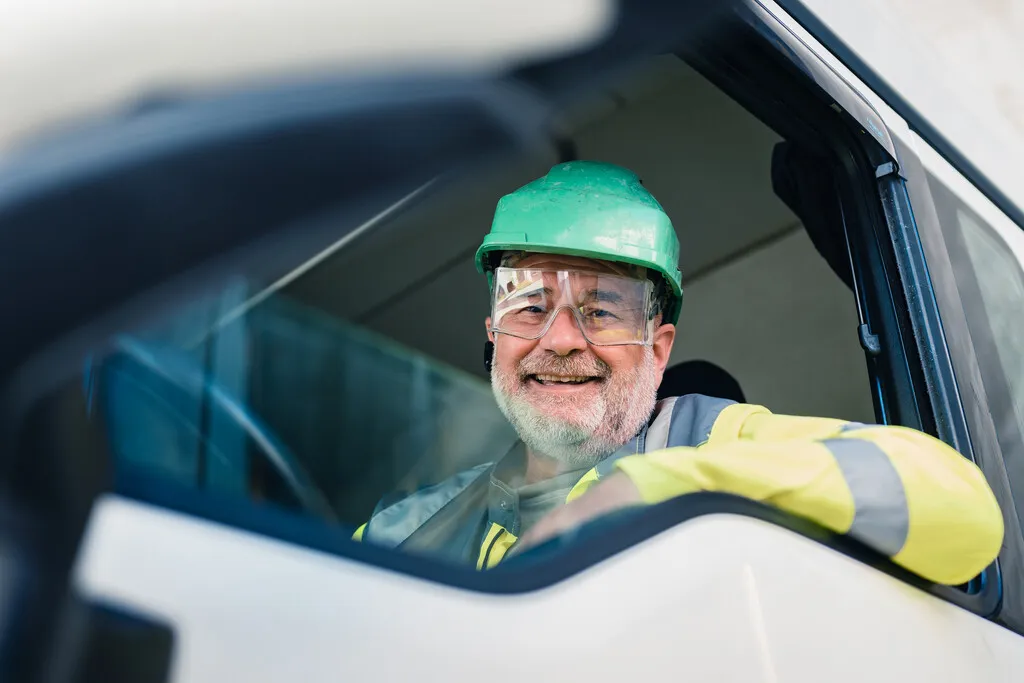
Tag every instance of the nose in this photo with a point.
(564, 336)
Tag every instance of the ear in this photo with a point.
(664, 337)
(487, 326)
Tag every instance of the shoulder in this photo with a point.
(397, 516)
(452, 484)
(691, 419)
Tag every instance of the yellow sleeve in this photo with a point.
(902, 492)
(358, 535)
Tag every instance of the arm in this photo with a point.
(901, 492)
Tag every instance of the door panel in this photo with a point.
(767, 606)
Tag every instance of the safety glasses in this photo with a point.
(609, 309)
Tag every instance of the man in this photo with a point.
(585, 296)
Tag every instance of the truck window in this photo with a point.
(987, 268)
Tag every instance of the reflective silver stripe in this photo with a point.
(855, 426)
(395, 523)
(678, 421)
(693, 417)
(657, 433)
(881, 518)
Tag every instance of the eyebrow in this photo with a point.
(530, 292)
(604, 295)
(520, 294)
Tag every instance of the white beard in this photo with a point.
(598, 427)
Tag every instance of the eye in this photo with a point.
(601, 314)
(533, 309)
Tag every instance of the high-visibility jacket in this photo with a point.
(899, 491)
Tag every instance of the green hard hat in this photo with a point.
(591, 209)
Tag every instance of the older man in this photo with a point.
(585, 295)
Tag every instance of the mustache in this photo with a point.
(577, 364)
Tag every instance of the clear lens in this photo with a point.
(609, 309)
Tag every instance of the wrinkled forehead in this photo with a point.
(521, 259)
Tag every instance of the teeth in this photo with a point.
(560, 378)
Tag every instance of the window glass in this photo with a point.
(282, 402)
(987, 268)
(360, 386)
(356, 383)
(1002, 295)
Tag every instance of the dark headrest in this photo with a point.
(700, 377)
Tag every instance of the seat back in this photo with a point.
(700, 377)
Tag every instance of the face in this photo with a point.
(568, 399)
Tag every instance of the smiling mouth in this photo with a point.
(559, 380)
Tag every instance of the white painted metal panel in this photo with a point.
(720, 598)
